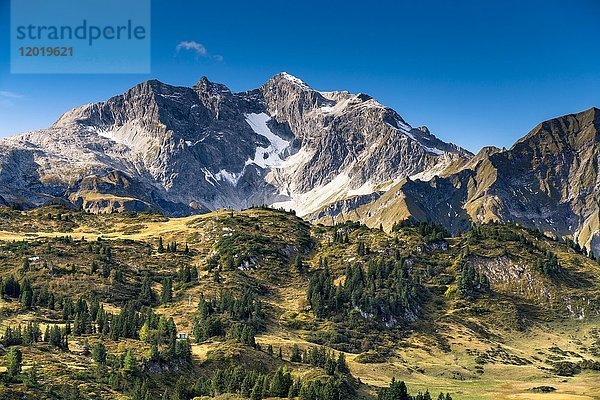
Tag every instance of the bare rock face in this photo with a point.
(181, 150)
(548, 180)
(327, 155)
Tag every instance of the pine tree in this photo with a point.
(217, 275)
(33, 373)
(296, 355)
(299, 264)
(14, 360)
(257, 390)
(129, 363)
(26, 294)
(341, 365)
(167, 291)
(180, 391)
(153, 354)
(99, 353)
(280, 384)
(26, 265)
(146, 293)
(11, 288)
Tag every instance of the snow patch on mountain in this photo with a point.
(366, 188)
(436, 170)
(231, 177)
(433, 150)
(406, 129)
(313, 200)
(108, 135)
(209, 177)
(403, 126)
(294, 79)
(271, 156)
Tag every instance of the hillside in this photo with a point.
(315, 311)
(548, 180)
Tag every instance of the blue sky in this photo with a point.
(475, 72)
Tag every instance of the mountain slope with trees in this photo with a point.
(260, 304)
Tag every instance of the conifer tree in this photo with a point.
(26, 294)
(167, 291)
(14, 361)
(129, 363)
(296, 355)
(99, 353)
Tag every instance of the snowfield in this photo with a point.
(271, 156)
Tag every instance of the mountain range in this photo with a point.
(330, 156)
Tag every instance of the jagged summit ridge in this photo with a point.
(203, 147)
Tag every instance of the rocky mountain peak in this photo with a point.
(572, 130)
(206, 86)
(285, 78)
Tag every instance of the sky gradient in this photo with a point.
(476, 73)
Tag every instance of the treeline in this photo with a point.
(11, 288)
(319, 357)
(84, 317)
(386, 292)
(238, 318)
(172, 247)
(547, 264)
(246, 383)
(55, 335)
(398, 391)
(186, 275)
(471, 283)
(497, 231)
(341, 231)
(581, 250)
(429, 230)
(255, 385)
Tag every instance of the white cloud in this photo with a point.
(191, 45)
(10, 95)
(6, 98)
(198, 48)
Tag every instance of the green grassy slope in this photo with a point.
(490, 314)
